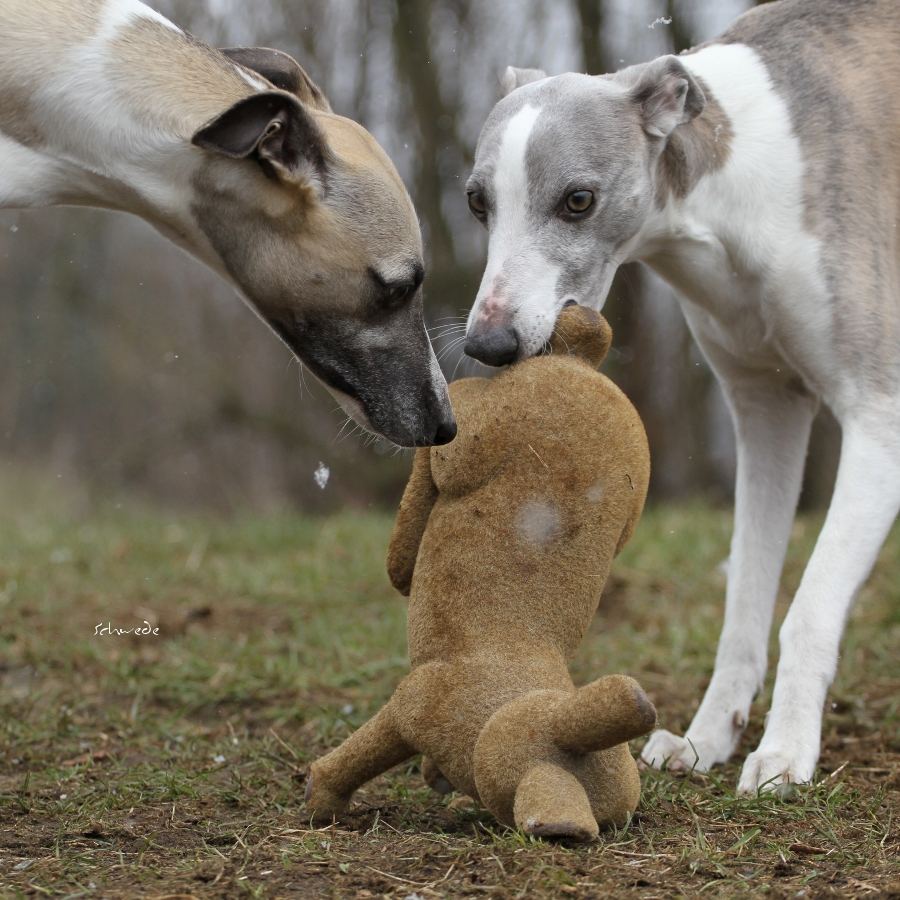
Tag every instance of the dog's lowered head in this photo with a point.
(565, 176)
(310, 219)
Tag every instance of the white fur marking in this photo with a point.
(251, 79)
(511, 199)
(530, 280)
(511, 178)
(120, 14)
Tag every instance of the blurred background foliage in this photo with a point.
(126, 367)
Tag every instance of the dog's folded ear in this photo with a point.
(272, 127)
(667, 95)
(282, 71)
(514, 78)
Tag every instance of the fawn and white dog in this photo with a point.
(759, 175)
(237, 157)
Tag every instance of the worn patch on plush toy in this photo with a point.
(539, 522)
(596, 491)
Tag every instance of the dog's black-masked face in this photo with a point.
(312, 222)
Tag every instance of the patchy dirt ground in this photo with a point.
(172, 764)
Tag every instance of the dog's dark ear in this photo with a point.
(282, 70)
(514, 78)
(667, 95)
(272, 127)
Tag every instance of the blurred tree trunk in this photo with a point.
(428, 116)
(590, 15)
(621, 306)
(681, 38)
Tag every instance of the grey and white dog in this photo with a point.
(237, 157)
(760, 176)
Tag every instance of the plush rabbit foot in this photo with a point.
(550, 802)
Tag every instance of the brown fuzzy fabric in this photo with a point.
(503, 542)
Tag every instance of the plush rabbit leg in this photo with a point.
(556, 762)
(434, 778)
(611, 710)
(373, 749)
(551, 802)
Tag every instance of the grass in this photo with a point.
(173, 764)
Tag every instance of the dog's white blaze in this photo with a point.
(510, 189)
(536, 303)
(530, 279)
(511, 175)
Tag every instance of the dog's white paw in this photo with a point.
(774, 770)
(665, 750)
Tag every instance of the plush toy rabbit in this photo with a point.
(503, 542)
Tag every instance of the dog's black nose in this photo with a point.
(445, 433)
(494, 346)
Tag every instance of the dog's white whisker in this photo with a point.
(443, 331)
(453, 345)
(462, 359)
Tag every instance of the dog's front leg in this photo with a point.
(772, 423)
(865, 503)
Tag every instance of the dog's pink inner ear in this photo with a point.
(667, 95)
(272, 127)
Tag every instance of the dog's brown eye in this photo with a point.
(579, 201)
(399, 294)
(477, 204)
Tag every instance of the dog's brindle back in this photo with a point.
(100, 102)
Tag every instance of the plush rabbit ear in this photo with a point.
(514, 78)
(412, 517)
(583, 332)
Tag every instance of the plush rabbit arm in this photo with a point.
(415, 508)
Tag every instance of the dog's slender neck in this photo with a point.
(110, 123)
